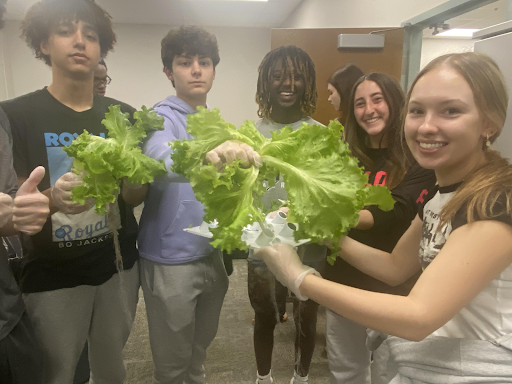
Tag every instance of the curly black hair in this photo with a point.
(45, 15)
(293, 60)
(192, 40)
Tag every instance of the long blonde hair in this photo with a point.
(482, 188)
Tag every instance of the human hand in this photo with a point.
(62, 197)
(230, 151)
(31, 207)
(285, 264)
(6, 205)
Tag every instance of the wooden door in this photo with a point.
(321, 45)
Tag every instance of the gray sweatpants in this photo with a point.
(348, 355)
(65, 318)
(183, 304)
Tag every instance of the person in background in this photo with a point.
(182, 276)
(24, 210)
(374, 134)
(71, 286)
(101, 78)
(21, 210)
(340, 85)
(286, 96)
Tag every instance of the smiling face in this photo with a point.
(286, 89)
(73, 48)
(334, 96)
(371, 111)
(443, 126)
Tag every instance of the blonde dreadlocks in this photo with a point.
(294, 61)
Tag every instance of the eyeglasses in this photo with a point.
(105, 81)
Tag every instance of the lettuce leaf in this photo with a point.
(104, 162)
(326, 187)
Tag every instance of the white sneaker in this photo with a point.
(268, 381)
(296, 379)
(264, 379)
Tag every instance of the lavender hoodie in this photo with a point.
(170, 204)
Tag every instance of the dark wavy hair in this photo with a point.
(45, 15)
(399, 158)
(343, 80)
(192, 40)
(293, 60)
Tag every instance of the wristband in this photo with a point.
(298, 282)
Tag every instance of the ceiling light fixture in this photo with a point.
(458, 32)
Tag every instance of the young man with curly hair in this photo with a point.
(72, 289)
(183, 278)
(286, 96)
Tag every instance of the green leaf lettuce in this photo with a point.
(104, 162)
(325, 185)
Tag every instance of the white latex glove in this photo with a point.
(231, 150)
(285, 264)
(61, 194)
(6, 205)
(31, 207)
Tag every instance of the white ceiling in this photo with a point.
(483, 17)
(216, 13)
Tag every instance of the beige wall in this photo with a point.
(432, 48)
(136, 68)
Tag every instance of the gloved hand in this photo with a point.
(6, 205)
(31, 207)
(61, 194)
(285, 264)
(231, 150)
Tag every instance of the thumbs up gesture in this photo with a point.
(31, 207)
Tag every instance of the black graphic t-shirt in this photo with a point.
(388, 226)
(70, 250)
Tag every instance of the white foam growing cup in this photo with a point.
(287, 231)
(265, 238)
(255, 227)
(280, 218)
(204, 227)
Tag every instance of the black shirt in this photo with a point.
(388, 226)
(11, 304)
(70, 250)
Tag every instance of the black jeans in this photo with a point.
(268, 299)
(21, 360)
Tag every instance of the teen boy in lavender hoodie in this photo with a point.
(183, 278)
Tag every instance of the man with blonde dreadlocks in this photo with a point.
(286, 96)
